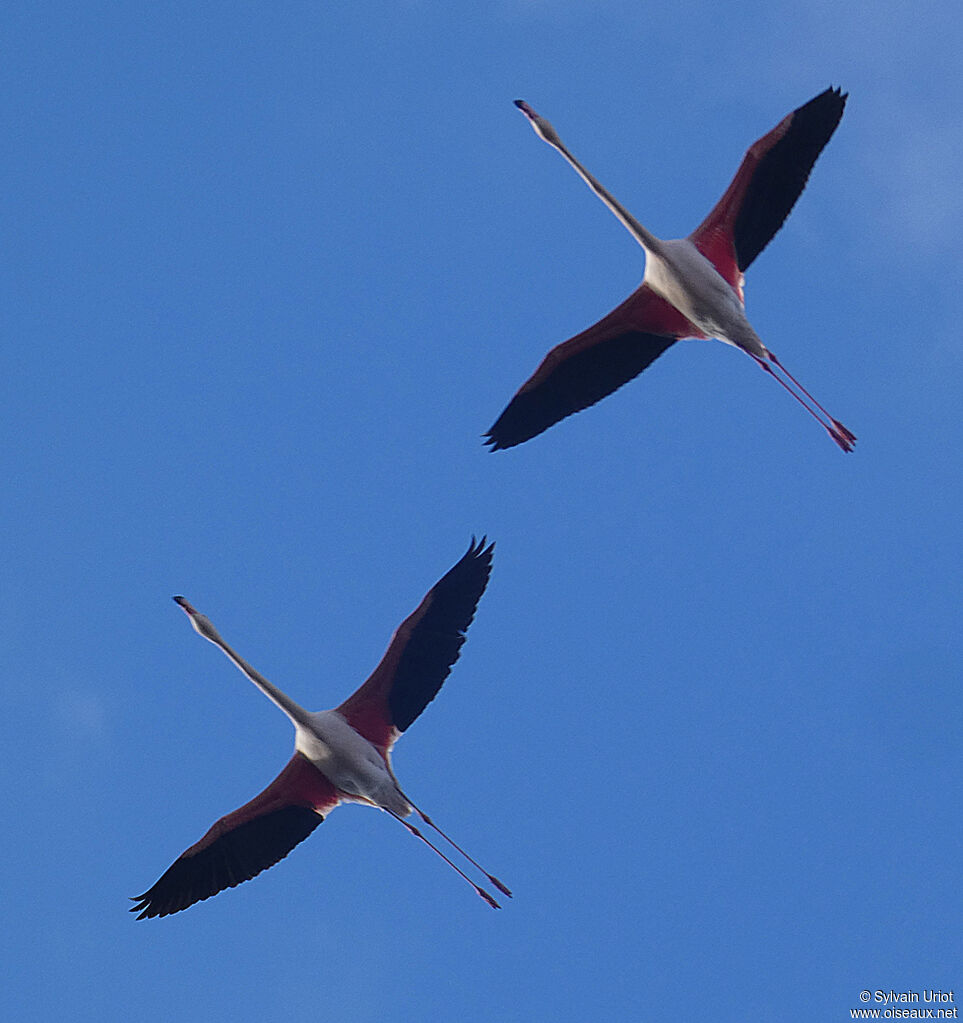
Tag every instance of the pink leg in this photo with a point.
(481, 891)
(839, 426)
(835, 429)
(491, 877)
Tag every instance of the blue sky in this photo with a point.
(269, 273)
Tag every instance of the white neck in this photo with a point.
(647, 240)
(297, 714)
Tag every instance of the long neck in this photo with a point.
(639, 233)
(293, 710)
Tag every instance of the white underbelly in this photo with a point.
(688, 281)
(349, 761)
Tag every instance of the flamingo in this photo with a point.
(340, 755)
(692, 287)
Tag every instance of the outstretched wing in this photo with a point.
(770, 179)
(242, 844)
(583, 370)
(421, 653)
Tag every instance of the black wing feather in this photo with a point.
(234, 857)
(574, 383)
(437, 636)
(782, 173)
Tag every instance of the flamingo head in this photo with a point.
(202, 624)
(543, 129)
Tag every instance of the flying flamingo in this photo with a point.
(692, 287)
(340, 755)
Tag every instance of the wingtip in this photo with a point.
(835, 95)
(478, 548)
(496, 438)
(142, 907)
